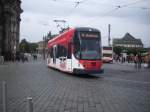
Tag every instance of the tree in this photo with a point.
(27, 47)
(33, 47)
(24, 46)
(118, 50)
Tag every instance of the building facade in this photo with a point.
(10, 11)
(43, 45)
(40, 47)
(128, 41)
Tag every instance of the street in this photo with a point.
(121, 88)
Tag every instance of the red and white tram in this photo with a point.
(77, 50)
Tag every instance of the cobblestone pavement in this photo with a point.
(119, 89)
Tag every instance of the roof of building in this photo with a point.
(127, 39)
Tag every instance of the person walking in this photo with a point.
(149, 60)
(136, 61)
(139, 61)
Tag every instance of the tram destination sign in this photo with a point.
(89, 35)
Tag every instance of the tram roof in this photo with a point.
(60, 37)
(86, 29)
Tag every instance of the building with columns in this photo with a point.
(10, 11)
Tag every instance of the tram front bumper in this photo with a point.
(81, 71)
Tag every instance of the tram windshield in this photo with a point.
(89, 46)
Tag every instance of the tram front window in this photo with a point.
(87, 46)
(90, 49)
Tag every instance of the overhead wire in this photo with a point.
(133, 3)
(143, 8)
(117, 7)
(79, 2)
(76, 4)
(122, 6)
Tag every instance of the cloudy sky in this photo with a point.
(131, 16)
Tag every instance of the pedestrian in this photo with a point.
(146, 61)
(139, 61)
(122, 59)
(149, 60)
(35, 57)
(117, 58)
(22, 58)
(136, 61)
(128, 59)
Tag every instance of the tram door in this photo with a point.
(69, 56)
(54, 54)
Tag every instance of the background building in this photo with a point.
(10, 11)
(42, 45)
(128, 41)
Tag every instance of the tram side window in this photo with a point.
(69, 51)
(76, 47)
(61, 51)
(51, 52)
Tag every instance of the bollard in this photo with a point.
(29, 104)
(4, 96)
